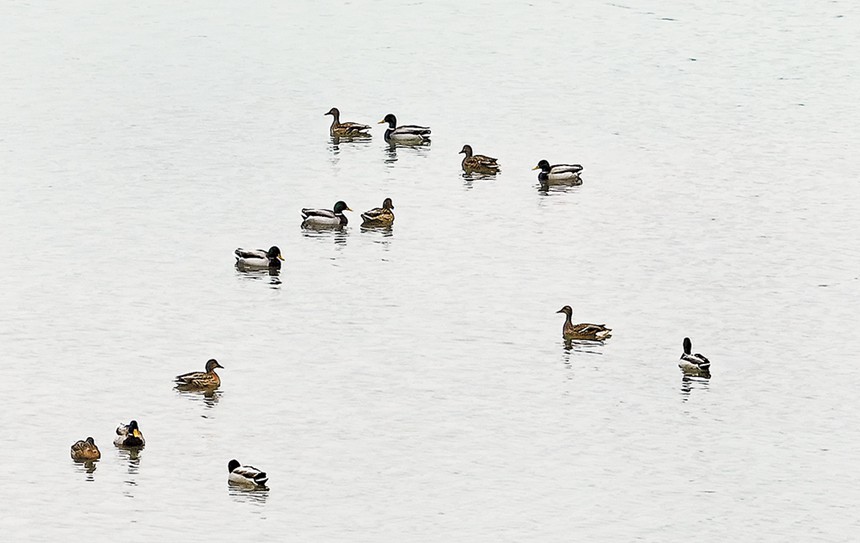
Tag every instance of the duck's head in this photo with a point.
(567, 310)
(387, 204)
(91, 441)
(543, 165)
(340, 207)
(333, 111)
(212, 364)
(133, 429)
(390, 119)
(232, 464)
(467, 149)
(274, 252)
(688, 345)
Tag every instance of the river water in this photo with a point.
(412, 384)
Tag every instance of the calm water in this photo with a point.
(413, 385)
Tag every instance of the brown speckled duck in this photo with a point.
(379, 216)
(585, 331)
(478, 163)
(85, 449)
(346, 130)
(201, 379)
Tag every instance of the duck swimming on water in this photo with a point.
(582, 331)
(259, 259)
(85, 449)
(325, 217)
(695, 365)
(379, 216)
(129, 436)
(558, 173)
(201, 379)
(346, 130)
(407, 133)
(478, 163)
(246, 475)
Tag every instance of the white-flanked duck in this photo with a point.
(129, 436)
(582, 331)
(246, 475)
(407, 133)
(325, 217)
(694, 364)
(259, 259)
(558, 173)
(346, 130)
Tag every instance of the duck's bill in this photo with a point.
(136, 433)
(537, 168)
(381, 122)
(347, 209)
(560, 311)
(279, 258)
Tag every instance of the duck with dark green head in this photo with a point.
(325, 217)
(128, 436)
(558, 173)
(259, 259)
(407, 133)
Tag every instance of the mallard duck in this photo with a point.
(558, 173)
(259, 259)
(129, 436)
(326, 217)
(407, 133)
(478, 163)
(201, 379)
(346, 130)
(379, 216)
(246, 475)
(595, 332)
(85, 449)
(694, 364)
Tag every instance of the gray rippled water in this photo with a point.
(411, 384)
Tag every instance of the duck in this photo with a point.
(259, 259)
(85, 449)
(587, 331)
(407, 133)
(379, 216)
(201, 379)
(246, 475)
(326, 217)
(478, 163)
(694, 364)
(558, 173)
(129, 436)
(347, 130)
